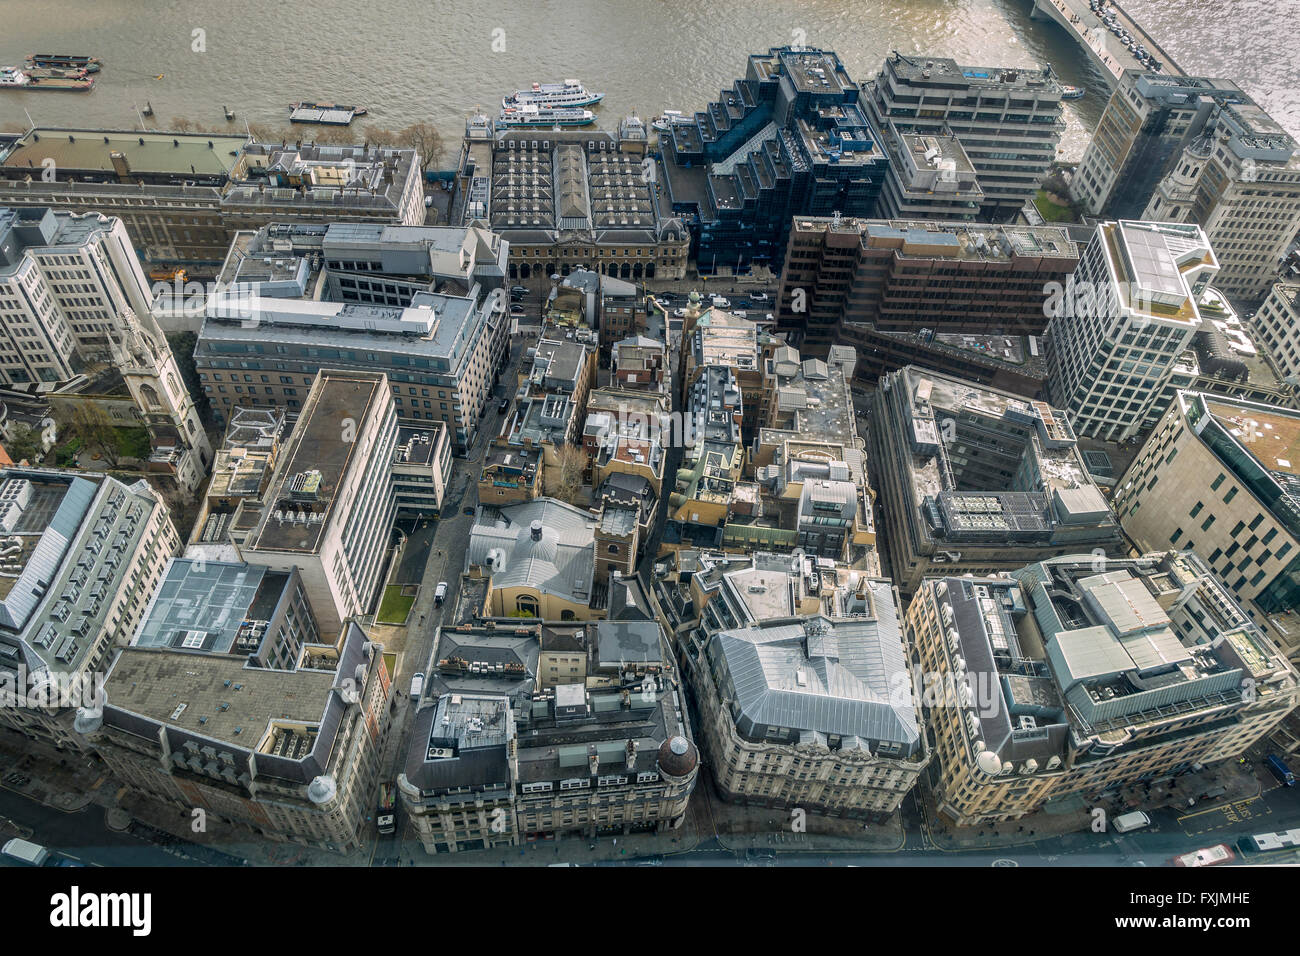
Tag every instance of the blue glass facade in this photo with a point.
(789, 139)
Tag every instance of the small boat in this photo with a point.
(669, 119)
(570, 93)
(1073, 92)
(530, 115)
(326, 114)
(12, 78)
(91, 64)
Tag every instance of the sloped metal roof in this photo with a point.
(843, 677)
(562, 562)
(48, 554)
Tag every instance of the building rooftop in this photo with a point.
(145, 152)
(492, 702)
(1154, 266)
(212, 607)
(825, 677)
(320, 176)
(542, 544)
(1143, 635)
(946, 73)
(415, 445)
(68, 539)
(40, 229)
(299, 503)
(224, 715)
(1051, 492)
(926, 239)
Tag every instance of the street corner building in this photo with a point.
(548, 731)
(245, 710)
(1216, 477)
(801, 677)
(1077, 676)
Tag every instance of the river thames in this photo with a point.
(407, 61)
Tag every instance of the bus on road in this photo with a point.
(386, 818)
(1280, 769)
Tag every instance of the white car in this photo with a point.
(720, 303)
(759, 297)
(679, 313)
(1210, 856)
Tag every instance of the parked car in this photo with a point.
(679, 313)
(440, 594)
(417, 685)
(518, 290)
(1127, 822)
(33, 854)
(760, 296)
(503, 406)
(719, 302)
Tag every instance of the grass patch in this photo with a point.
(396, 606)
(1051, 211)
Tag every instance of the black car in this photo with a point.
(518, 290)
(503, 406)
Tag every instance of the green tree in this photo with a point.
(24, 444)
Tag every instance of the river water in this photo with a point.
(436, 60)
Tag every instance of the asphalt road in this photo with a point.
(83, 835)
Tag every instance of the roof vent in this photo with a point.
(536, 530)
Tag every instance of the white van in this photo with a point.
(720, 303)
(33, 854)
(417, 685)
(440, 594)
(1131, 821)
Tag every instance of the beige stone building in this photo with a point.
(1214, 477)
(792, 715)
(506, 752)
(1277, 324)
(291, 750)
(1083, 675)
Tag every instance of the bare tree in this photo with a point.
(334, 136)
(90, 423)
(425, 139)
(381, 137)
(563, 480)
